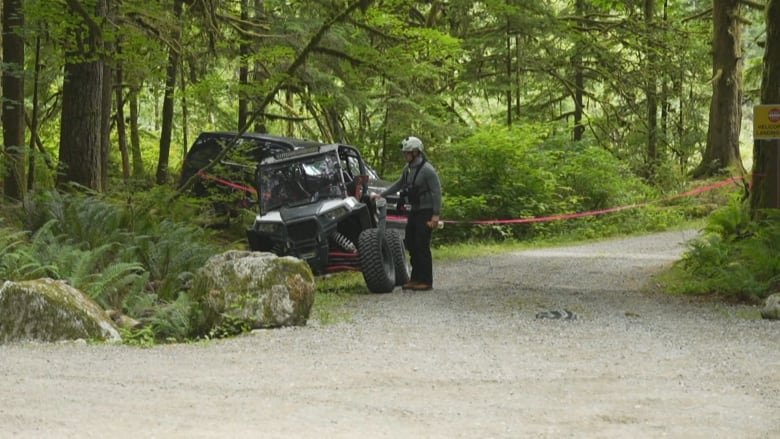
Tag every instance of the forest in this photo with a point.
(528, 109)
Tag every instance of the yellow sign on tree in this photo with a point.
(766, 122)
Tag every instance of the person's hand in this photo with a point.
(375, 196)
(434, 222)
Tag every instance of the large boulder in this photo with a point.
(51, 310)
(771, 308)
(251, 290)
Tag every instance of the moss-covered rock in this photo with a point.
(771, 308)
(51, 310)
(251, 290)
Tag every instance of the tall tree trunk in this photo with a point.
(82, 121)
(518, 77)
(34, 115)
(243, 71)
(167, 113)
(579, 81)
(665, 104)
(121, 127)
(508, 73)
(185, 113)
(651, 93)
(765, 191)
(105, 122)
(80, 133)
(13, 100)
(135, 136)
(722, 149)
(107, 9)
(258, 72)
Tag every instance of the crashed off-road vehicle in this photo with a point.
(314, 205)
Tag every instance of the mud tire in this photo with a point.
(376, 261)
(399, 256)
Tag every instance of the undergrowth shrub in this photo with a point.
(133, 253)
(736, 258)
(523, 173)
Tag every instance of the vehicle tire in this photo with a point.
(376, 261)
(399, 256)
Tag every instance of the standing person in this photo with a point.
(419, 184)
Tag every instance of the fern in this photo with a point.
(93, 221)
(171, 321)
(86, 219)
(82, 267)
(10, 239)
(173, 250)
(115, 283)
(737, 258)
(731, 222)
(22, 265)
(123, 256)
(18, 260)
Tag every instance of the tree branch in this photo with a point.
(753, 4)
(95, 33)
(271, 95)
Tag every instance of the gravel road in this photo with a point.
(466, 360)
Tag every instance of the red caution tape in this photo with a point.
(525, 220)
(228, 183)
(602, 211)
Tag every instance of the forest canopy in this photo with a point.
(118, 90)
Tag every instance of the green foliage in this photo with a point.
(334, 292)
(17, 260)
(229, 326)
(525, 173)
(393, 68)
(171, 321)
(736, 257)
(142, 337)
(130, 255)
(170, 252)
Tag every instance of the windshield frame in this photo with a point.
(301, 180)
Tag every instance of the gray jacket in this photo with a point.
(426, 181)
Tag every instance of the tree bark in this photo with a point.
(82, 131)
(167, 113)
(243, 71)
(765, 191)
(579, 82)
(34, 116)
(105, 122)
(508, 55)
(258, 72)
(135, 135)
(13, 100)
(651, 93)
(722, 151)
(121, 126)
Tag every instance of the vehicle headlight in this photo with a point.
(336, 213)
(267, 227)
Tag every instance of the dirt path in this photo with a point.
(467, 360)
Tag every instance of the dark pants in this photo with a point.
(418, 242)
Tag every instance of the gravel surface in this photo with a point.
(466, 360)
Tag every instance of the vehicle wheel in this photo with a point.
(396, 244)
(376, 261)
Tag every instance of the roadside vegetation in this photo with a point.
(135, 252)
(549, 122)
(735, 258)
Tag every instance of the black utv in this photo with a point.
(230, 181)
(314, 205)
